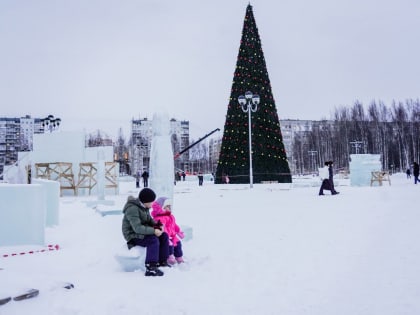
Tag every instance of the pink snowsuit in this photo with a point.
(168, 221)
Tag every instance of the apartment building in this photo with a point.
(214, 152)
(16, 135)
(141, 140)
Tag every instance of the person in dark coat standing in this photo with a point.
(139, 229)
(200, 179)
(145, 177)
(324, 174)
(137, 180)
(416, 172)
(331, 178)
(408, 172)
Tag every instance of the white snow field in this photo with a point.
(272, 249)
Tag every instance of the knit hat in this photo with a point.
(147, 195)
(161, 201)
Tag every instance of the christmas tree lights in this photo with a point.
(269, 160)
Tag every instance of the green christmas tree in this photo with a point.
(269, 161)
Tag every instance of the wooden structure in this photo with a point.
(111, 175)
(87, 176)
(380, 176)
(58, 171)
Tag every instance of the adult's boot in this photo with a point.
(152, 270)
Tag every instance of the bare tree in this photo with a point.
(392, 133)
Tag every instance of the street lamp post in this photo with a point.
(249, 103)
(50, 123)
(357, 144)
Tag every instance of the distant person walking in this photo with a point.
(200, 179)
(324, 175)
(416, 172)
(331, 178)
(138, 180)
(226, 179)
(408, 172)
(183, 176)
(327, 176)
(145, 177)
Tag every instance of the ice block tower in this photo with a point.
(161, 171)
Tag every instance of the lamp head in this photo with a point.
(242, 100)
(256, 99)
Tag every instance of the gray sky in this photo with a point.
(97, 64)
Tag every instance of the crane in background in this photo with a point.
(193, 144)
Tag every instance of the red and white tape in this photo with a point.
(47, 249)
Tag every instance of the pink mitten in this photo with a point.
(181, 235)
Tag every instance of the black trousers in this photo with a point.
(325, 185)
(157, 248)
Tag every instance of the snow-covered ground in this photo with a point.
(269, 250)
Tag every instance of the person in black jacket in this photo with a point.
(416, 172)
(200, 179)
(331, 178)
(137, 179)
(324, 175)
(145, 177)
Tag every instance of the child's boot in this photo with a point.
(179, 260)
(171, 260)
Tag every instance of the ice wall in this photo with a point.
(15, 174)
(361, 166)
(59, 147)
(52, 200)
(22, 214)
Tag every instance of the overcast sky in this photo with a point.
(97, 64)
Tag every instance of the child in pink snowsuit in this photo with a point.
(162, 212)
